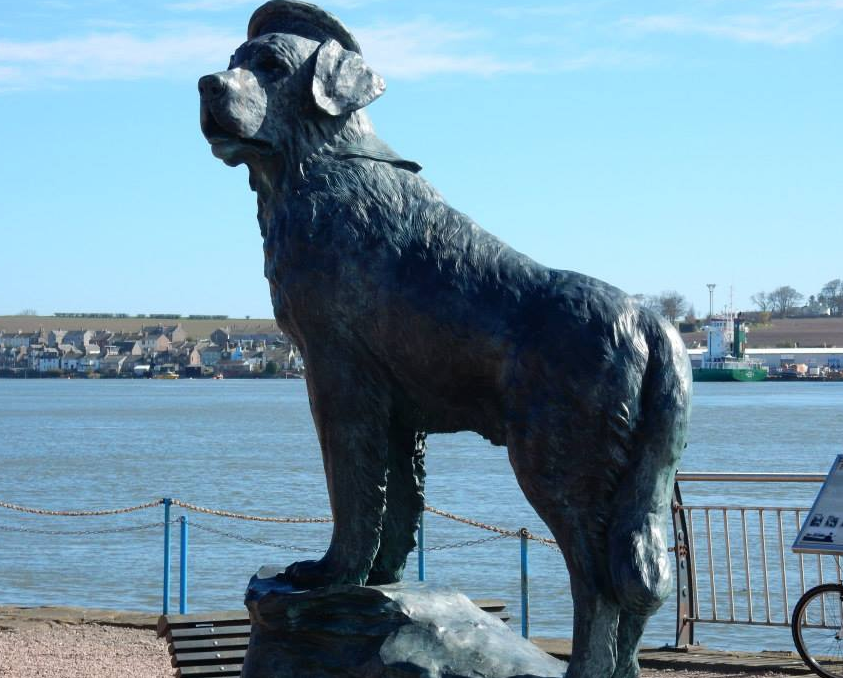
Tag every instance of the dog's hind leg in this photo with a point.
(404, 504)
(638, 556)
(555, 481)
(596, 612)
(630, 629)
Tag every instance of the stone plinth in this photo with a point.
(394, 631)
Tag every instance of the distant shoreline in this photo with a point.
(34, 374)
(194, 327)
(779, 333)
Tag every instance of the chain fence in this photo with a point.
(300, 549)
(245, 516)
(463, 544)
(71, 513)
(498, 533)
(112, 530)
(251, 540)
(501, 532)
(523, 532)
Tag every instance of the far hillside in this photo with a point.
(786, 333)
(196, 329)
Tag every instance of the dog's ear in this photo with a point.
(342, 81)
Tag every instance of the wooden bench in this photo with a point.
(214, 643)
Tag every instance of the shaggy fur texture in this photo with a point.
(413, 319)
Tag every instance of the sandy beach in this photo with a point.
(77, 643)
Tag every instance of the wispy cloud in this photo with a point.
(812, 5)
(112, 56)
(208, 5)
(600, 59)
(101, 23)
(55, 4)
(414, 49)
(420, 48)
(776, 29)
(223, 5)
(522, 11)
(9, 74)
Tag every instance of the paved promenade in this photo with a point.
(699, 658)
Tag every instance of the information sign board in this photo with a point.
(822, 531)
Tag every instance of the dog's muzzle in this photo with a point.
(233, 107)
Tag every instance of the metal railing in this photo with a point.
(733, 561)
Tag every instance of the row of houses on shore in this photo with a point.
(152, 350)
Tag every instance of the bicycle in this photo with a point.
(817, 627)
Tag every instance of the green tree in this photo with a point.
(271, 367)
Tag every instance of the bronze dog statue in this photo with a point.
(413, 319)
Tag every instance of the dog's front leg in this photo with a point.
(351, 411)
(404, 504)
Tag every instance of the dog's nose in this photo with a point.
(211, 86)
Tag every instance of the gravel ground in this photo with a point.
(52, 650)
(83, 651)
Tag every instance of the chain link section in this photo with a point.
(103, 512)
(473, 523)
(244, 516)
(463, 544)
(300, 549)
(251, 540)
(547, 543)
(112, 530)
(492, 528)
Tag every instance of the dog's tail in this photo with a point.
(638, 558)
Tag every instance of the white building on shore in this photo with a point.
(774, 358)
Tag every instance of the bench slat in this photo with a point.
(204, 658)
(490, 604)
(208, 632)
(215, 618)
(208, 644)
(210, 670)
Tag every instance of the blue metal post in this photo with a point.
(421, 547)
(525, 586)
(183, 566)
(166, 606)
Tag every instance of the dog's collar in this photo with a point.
(373, 149)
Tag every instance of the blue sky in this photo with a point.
(655, 145)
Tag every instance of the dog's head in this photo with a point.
(298, 77)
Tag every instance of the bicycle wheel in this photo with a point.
(816, 627)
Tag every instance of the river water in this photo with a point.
(250, 447)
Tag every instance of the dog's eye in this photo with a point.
(270, 61)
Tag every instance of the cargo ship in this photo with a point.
(725, 359)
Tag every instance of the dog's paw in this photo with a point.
(383, 577)
(312, 574)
